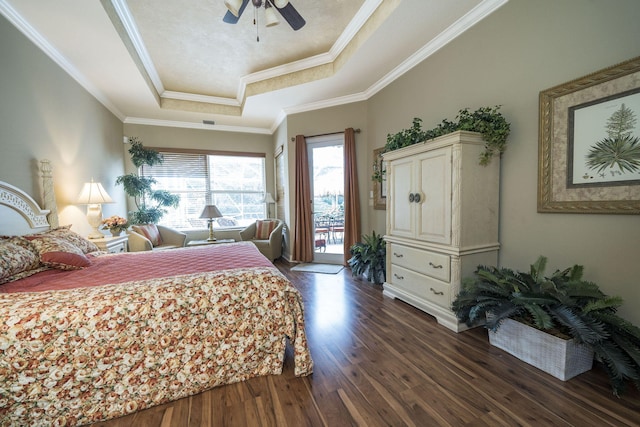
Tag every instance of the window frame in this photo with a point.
(209, 191)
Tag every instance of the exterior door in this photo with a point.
(326, 166)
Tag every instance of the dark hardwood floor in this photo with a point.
(381, 362)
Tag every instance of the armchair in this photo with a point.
(269, 245)
(150, 237)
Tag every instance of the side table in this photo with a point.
(209, 242)
(113, 245)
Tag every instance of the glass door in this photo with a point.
(326, 166)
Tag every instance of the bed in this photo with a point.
(120, 333)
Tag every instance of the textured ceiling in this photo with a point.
(195, 52)
(176, 63)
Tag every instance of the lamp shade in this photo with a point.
(268, 198)
(210, 211)
(233, 6)
(93, 193)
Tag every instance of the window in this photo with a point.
(235, 183)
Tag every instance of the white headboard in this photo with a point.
(20, 213)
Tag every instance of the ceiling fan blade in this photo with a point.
(230, 18)
(291, 15)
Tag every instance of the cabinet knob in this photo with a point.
(416, 197)
(436, 292)
(397, 255)
(411, 197)
(398, 277)
(435, 266)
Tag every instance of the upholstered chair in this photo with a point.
(151, 237)
(266, 234)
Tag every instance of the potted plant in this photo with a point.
(563, 305)
(151, 203)
(368, 258)
(485, 120)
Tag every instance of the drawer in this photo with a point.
(421, 286)
(116, 249)
(426, 262)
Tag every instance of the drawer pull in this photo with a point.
(397, 255)
(436, 292)
(398, 277)
(435, 266)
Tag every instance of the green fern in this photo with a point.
(562, 303)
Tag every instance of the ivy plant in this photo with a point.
(487, 121)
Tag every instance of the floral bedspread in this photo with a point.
(79, 356)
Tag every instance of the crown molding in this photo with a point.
(36, 38)
(475, 15)
(195, 125)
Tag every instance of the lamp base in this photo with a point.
(94, 218)
(211, 236)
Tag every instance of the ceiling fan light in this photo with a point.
(233, 6)
(280, 3)
(270, 17)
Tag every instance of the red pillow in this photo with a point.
(150, 231)
(59, 253)
(264, 229)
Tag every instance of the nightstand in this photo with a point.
(113, 245)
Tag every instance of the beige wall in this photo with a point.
(521, 49)
(44, 113)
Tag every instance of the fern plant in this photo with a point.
(562, 304)
(151, 203)
(368, 258)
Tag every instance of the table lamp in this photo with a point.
(210, 212)
(94, 195)
(268, 199)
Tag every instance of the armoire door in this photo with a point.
(433, 222)
(400, 181)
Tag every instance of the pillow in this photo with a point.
(58, 253)
(264, 229)
(64, 233)
(17, 257)
(150, 231)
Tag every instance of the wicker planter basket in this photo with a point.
(564, 359)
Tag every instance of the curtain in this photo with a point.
(351, 194)
(302, 238)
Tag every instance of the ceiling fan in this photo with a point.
(286, 9)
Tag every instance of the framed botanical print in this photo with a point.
(589, 143)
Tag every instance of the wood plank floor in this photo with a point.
(381, 362)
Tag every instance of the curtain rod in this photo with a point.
(324, 134)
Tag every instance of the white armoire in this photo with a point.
(442, 220)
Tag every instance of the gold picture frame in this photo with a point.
(379, 188)
(572, 118)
